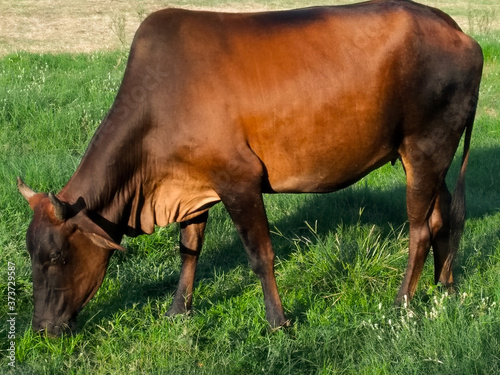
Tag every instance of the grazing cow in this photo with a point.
(218, 107)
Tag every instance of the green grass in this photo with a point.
(340, 258)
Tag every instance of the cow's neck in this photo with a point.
(108, 179)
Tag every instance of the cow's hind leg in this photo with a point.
(191, 241)
(425, 177)
(439, 224)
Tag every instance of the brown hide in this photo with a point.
(224, 107)
(320, 96)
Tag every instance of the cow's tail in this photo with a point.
(457, 208)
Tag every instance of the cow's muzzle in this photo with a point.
(51, 329)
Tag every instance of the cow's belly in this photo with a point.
(324, 156)
(315, 172)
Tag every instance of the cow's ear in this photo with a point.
(105, 243)
(94, 232)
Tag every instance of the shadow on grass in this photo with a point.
(384, 208)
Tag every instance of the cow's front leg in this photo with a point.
(248, 214)
(191, 241)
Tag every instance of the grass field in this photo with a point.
(340, 257)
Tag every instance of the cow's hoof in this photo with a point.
(286, 324)
(175, 311)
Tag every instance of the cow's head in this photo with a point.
(69, 257)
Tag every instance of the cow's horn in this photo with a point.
(24, 189)
(60, 209)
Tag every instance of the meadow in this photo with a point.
(340, 257)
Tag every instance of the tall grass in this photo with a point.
(340, 259)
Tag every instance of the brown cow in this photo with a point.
(225, 107)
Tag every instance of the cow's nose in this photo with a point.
(47, 327)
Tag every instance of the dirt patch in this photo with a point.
(84, 26)
(79, 26)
